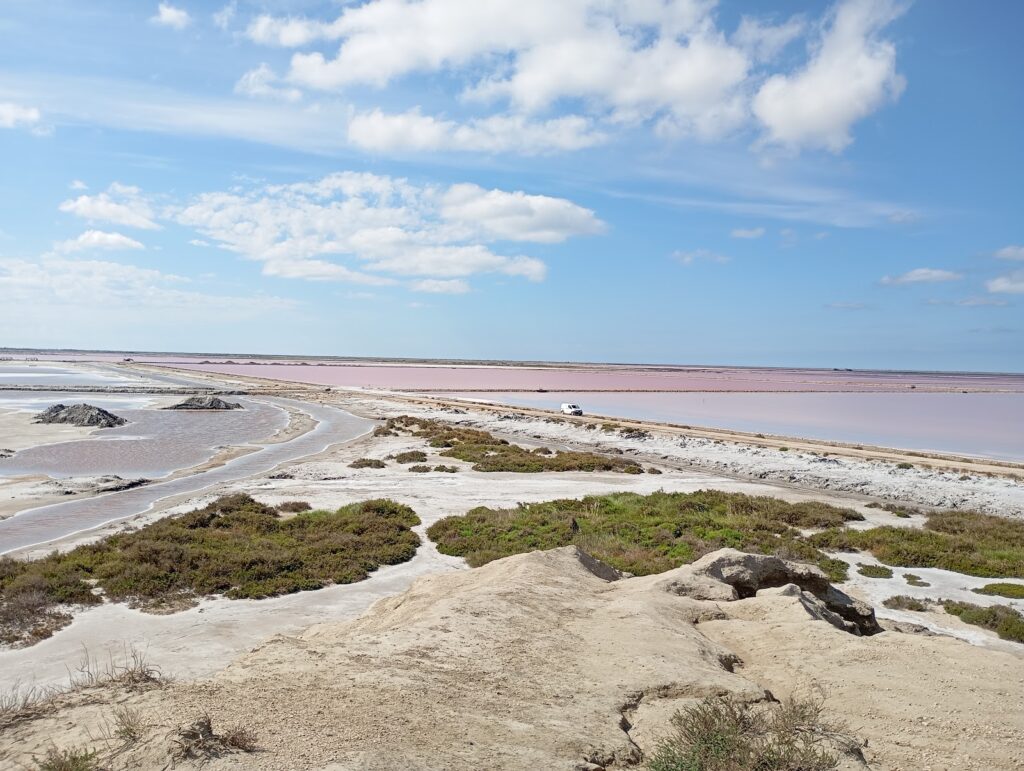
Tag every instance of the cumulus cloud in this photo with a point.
(223, 18)
(747, 233)
(437, 286)
(77, 184)
(18, 116)
(1011, 252)
(850, 74)
(262, 82)
(411, 130)
(55, 281)
(384, 227)
(764, 40)
(1009, 284)
(98, 239)
(169, 16)
(922, 276)
(120, 204)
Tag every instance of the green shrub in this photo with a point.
(903, 602)
(722, 733)
(367, 463)
(293, 507)
(1001, 619)
(964, 542)
(69, 760)
(913, 580)
(419, 469)
(904, 466)
(487, 453)
(1012, 591)
(874, 571)
(447, 469)
(412, 456)
(234, 546)
(644, 534)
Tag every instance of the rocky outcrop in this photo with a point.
(205, 403)
(85, 415)
(728, 574)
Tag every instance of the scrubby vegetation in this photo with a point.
(913, 580)
(447, 469)
(645, 534)
(724, 734)
(413, 456)
(903, 512)
(199, 742)
(874, 571)
(1001, 619)
(1011, 591)
(419, 469)
(488, 453)
(904, 602)
(235, 546)
(77, 759)
(293, 507)
(367, 463)
(964, 542)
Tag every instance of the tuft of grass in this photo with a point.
(488, 453)
(1011, 591)
(913, 580)
(964, 542)
(874, 571)
(234, 547)
(904, 466)
(722, 733)
(419, 469)
(412, 456)
(128, 726)
(904, 602)
(447, 469)
(1001, 619)
(78, 759)
(367, 463)
(293, 507)
(645, 534)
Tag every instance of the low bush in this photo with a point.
(413, 456)
(645, 534)
(964, 542)
(367, 463)
(488, 453)
(874, 571)
(724, 734)
(69, 760)
(1011, 591)
(198, 741)
(904, 466)
(293, 507)
(447, 469)
(903, 602)
(235, 546)
(913, 580)
(653, 470)
(1001, 619)
(419, 469)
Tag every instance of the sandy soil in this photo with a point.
(537, 662)
(18, 431)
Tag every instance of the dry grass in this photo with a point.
(77, 759)
(724, 734)
(198, 741)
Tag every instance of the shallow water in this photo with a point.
(155, 442)
(979, 424)
(48, 523)
(55, 375)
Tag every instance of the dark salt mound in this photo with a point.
(80, 415)
(205, 403)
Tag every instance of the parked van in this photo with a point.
(572, 409)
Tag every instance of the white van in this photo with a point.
(572, 409)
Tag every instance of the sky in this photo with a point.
(781, 183)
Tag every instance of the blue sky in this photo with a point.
(822, 184)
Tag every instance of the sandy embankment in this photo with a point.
(538, 661)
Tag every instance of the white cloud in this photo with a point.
(411, 130)
(262, 82)
(60, 282)
(851, 73)
(98, 239)
(78, 184)
(435, 286)
(1011, 252)
(18, 116)
(922, 276)
(698, 255)
(223, 18)
(120, 204)
(169, 16)
(382, 225)
(765, 41)
(517, 216)
(747, 233)
(1009, 284)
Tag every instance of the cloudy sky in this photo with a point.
(781, 182)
